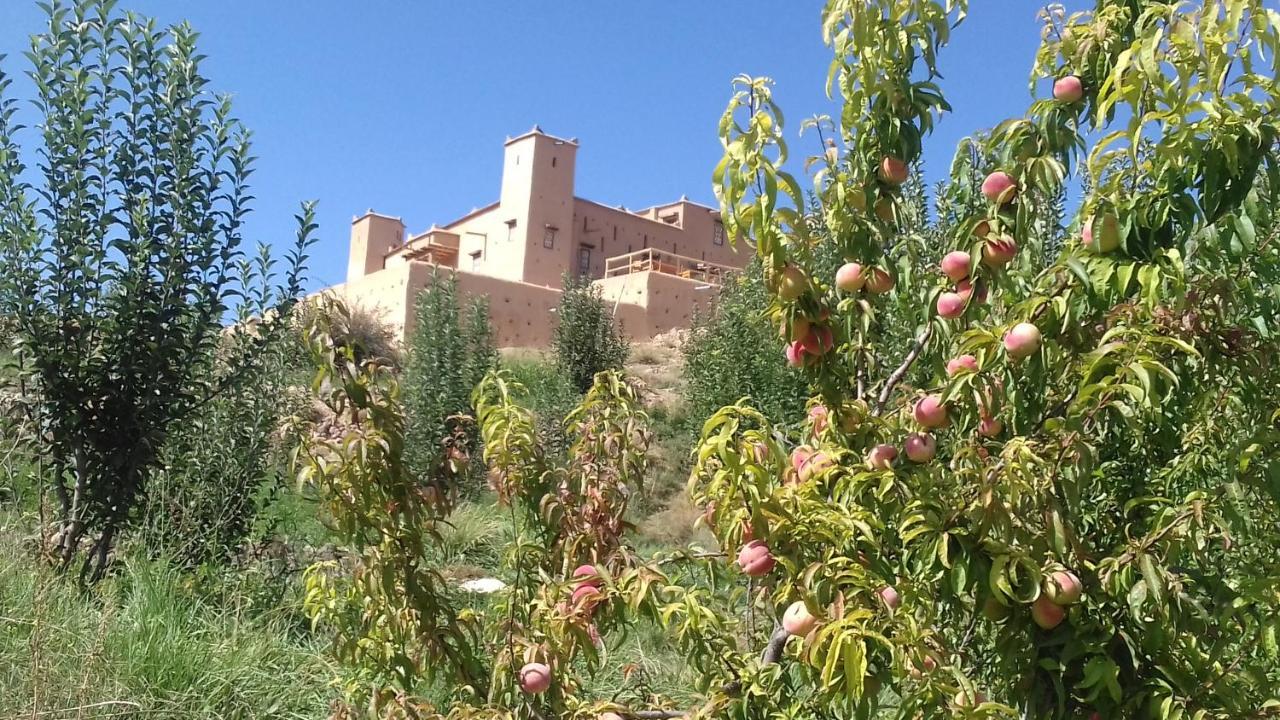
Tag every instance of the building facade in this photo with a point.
(654, 265)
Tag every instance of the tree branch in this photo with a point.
(901, 372)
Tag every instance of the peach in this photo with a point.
(999, 251)
(795, 354)
(990, 427)
(1063, 588)
(798, 328)
(1068, 89)
(950, 305)
(920, 447)
(963, 363)
(879, 282)
(755, 559)
(881, 457)
(884, 210)
(1109, 237)
(800, 456)
(1000, 187)
(955, 265)
(926, 664)
(817, 463)
(964, 289)
(819, 418)
(793, 283)
(930, 412)
(1047, 614)
(994, 610)
(890, 597)
(849, 278)
(797, 620)
(892, 171)
(962, 699)
(818, 342)
(586, 596)
(586, 575)
(1023, 340)
(535, 678)
(982, 229)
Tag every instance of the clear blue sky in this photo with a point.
(403, 107)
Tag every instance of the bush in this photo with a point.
(733, 352)
(450, 350)
(361, 328)
(587, 340)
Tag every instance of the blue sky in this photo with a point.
(403, 107)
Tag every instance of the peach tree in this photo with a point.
(1057, 500)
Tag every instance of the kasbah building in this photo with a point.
(653, 266)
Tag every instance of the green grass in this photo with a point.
(149, 642)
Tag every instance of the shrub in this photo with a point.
(125, 259)
(363, 328)
(450, 350)
(587, 339)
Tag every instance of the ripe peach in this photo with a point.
(798, 328)
(755, 559)
(817, 463)
(890, 597)
(930, 412)
(881, 457)
(586, 575)
(849, 277)
(962, 363)
(1063, 588)
(964, 289)
(1023, 340)
(793, 283)
(892, 171)
(535, 678)
(884, 210)
(797, 620)
(920, 447)
(962, 699)
(818, 418)
(586, 596)
(1109, 237)
(950, 305)
(1000, 187)
(982, 229)
(800, 456)
(795, 354)
(879, 282)
(999, 251)
(1046, 613)
(926, 664)
(990, 427)
(955, 265)
(1068, 89)
(818, 342)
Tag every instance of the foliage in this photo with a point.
(124, 259)
(587, 338)
(363, 328)
(448, 355)
(1136, 446)
(219, 469)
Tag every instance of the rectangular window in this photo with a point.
(549, 238)
(511, 230)
(584, 260)
(717, 234)
(475, 261)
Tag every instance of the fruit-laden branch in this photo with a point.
(901, 372)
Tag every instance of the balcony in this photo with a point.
(653, 260)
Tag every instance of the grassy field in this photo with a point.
(152, 641)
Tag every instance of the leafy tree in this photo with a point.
(1057, 499)
(124, 258)
(587, 339)
(450, 350)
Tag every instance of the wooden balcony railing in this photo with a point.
(652, 259)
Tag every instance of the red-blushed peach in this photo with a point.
(819, 418)
(586, 596)
(798, 328)
(819, 341)
(962, 363)
(982, 229)
(1022, 340)
(881, 457)
(586, 575)
(1063, 588)
(999, 251)
(1046, 613)
(990, 427)
(884, 210)
(850, 278)
(950, 305)
(955, 265)
(1109, 237)
(962, 699)
(920, 447)
(1000, 187)
(890, 597)
(1068, 89)
(892, 171)
(755, 559)
(795, 354)
(964, 289)
(930, 412)
(535, 678)
(797, 620)
(879, 281)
